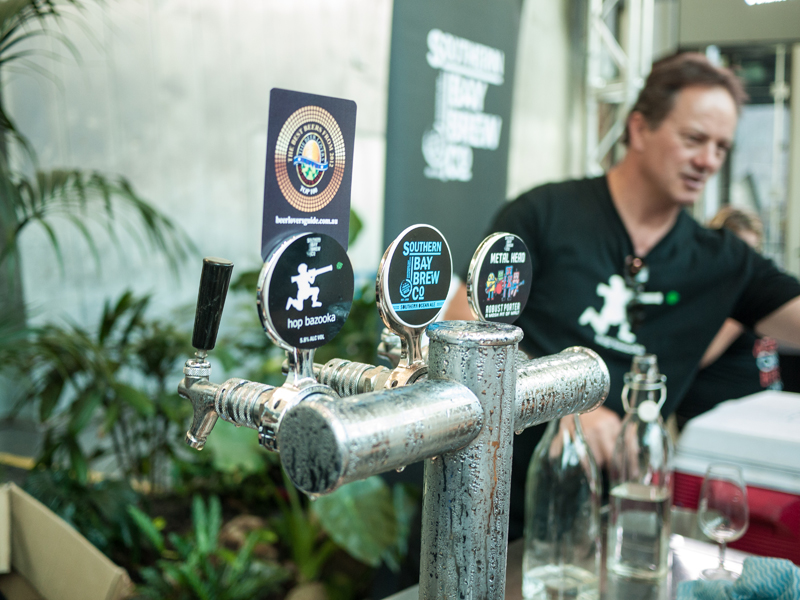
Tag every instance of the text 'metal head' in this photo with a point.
(414, 278)
(499, 278)
(305, 291)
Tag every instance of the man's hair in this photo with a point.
(738, 220)
(670, 75)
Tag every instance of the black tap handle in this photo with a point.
(214, 282)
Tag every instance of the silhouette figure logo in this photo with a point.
(304, 278)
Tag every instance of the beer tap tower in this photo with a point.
(458, 411)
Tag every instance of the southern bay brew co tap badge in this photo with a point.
(418, 269)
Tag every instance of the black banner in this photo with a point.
(450, 91)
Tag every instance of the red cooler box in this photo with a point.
(761, 434)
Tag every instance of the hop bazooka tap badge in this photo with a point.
(309, 166)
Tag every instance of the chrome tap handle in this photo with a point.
(195, 385)
(214, 281)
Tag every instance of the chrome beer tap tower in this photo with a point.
(343, 421)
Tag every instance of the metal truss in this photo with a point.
(620, 54)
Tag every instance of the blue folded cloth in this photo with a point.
(761, 579)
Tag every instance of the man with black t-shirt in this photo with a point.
(620, 267)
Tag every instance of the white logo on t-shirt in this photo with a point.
(617, 296)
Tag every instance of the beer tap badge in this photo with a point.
(499, 278)
(309, 167)
(305, 291)
(415, 275)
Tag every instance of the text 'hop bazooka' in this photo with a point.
(340, 422)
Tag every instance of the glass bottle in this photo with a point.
(640, 477)
(562, 517)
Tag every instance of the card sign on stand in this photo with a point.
(309, 167)
(499, 278)
(414, 277)
(305, 291)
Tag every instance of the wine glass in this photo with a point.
(723, 514)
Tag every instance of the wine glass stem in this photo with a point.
(721, 555)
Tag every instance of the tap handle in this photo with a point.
(412, 286)
(214, 282)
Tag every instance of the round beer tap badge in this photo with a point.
(415, 276)
(499, 278)
(305, 291)
(310, 158)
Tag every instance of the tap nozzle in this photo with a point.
(195, 385)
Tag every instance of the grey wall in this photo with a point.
(173, 94)
(542, 129)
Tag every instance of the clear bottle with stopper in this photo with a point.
(561, 559)
(640, 477)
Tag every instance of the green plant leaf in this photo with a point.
(83, 409)
(406, 504)
(183, 547)
(50, 395)
(147, 527)
(355, 226)
(207, 522)
(78, 462)
(195, 583)
(235, 449)
(214, 523)
(111, 417)
(134, 398)
(360, 517)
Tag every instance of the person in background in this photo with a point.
(620, 267)
(737, 363)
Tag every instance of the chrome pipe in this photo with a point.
(349, 378)
(326, 442)
(467, 492)
(575, 380)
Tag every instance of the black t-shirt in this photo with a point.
(749, 365)
(697, 278)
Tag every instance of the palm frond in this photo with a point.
(80, 197)
(7, 126)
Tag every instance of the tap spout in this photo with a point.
(196, 387)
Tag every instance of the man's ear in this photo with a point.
(637, 126)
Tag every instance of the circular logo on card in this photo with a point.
(310, 158)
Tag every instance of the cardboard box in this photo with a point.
(43, 558)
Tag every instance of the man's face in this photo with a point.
(690, 144)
